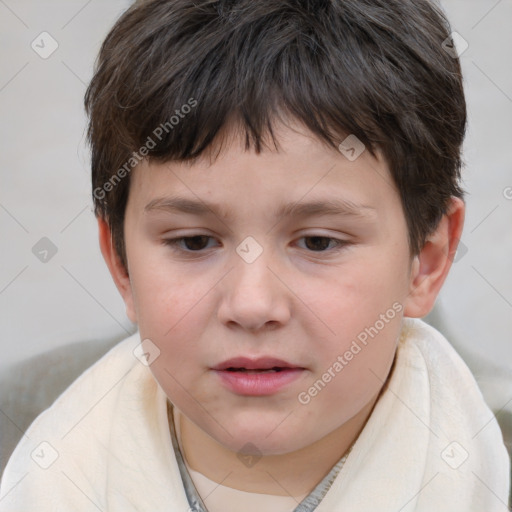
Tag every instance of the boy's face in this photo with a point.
(271, 287)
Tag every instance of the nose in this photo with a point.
(254, 296)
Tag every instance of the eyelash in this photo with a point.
(173, 243)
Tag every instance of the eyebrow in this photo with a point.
(336, 206)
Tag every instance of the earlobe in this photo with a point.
(117, 270)
(430, 267)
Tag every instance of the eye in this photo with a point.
(192, 243)
(198, 243)
(321, 243)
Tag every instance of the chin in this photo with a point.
(256, 438)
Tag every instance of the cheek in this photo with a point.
(172, 315)
(354, 297)
(359, 315)
(166, 296)
(173, 310)
(354, 369)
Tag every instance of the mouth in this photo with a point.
(261, 364)
(275, 369)
(257, 377)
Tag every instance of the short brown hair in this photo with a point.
(376, 69)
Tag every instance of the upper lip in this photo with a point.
(260, 363)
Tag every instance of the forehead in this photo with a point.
(303, 176)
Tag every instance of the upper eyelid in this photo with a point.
(307, 235)
(339, 241)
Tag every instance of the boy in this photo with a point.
(269, 370)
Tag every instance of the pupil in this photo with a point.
(316, 245)
(190, 242)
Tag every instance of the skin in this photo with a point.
(300, 302)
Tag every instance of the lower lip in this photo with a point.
(258, 384)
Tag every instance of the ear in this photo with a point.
(117, 269)
(430, 267)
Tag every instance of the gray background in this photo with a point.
(45, 191)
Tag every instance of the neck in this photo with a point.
(296, 473)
